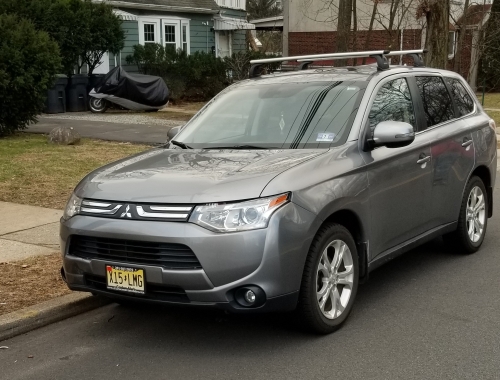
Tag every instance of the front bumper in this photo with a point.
(271, 259)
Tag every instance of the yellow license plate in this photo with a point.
(125, 279)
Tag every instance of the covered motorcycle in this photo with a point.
(131, 91)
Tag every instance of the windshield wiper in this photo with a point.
(180, 144)
(240, 147)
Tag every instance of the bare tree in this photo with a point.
(437, 15)
(462, 25)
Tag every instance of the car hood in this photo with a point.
(190, 176)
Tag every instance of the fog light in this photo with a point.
(250, 297)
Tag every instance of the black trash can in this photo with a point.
(94, 79)
(76, 93)
(56, 95)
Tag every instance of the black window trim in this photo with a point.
(421, 106)
(466, 87)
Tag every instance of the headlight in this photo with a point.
(243, 216)
(72, 207)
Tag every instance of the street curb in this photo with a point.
(45, 313)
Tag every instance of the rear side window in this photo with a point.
(461, 97)
(392, 102)
(436, 100)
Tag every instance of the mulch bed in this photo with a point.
(30, 281)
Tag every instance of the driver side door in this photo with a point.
(400, 179)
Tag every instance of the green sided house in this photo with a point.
(212, 26)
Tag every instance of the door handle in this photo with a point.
(423, 159)
(466, 142)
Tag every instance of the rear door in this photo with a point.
(446, 104)
(399, 178)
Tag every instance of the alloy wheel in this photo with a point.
(476, 214)
(334, 279)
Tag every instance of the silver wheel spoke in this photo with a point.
(339, 256)
(324, 290)
(479, 205)
(344, 277)
(337, 307)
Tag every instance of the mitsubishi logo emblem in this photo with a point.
(127, 213)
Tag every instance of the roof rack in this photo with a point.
(306, 60)
(416, 55)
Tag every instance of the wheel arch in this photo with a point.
(351, 220)
(484, 174)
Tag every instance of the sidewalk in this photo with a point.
(27, 231)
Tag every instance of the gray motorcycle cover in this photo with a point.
(149, 90)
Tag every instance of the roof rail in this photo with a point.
(256, 68)
(416, 55)
(306, 60)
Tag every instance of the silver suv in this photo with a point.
(286, 190)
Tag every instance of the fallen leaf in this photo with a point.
(3, 347)
(30, 356)
(24, 266)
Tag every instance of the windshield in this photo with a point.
(276, 116)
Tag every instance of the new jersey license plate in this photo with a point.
(125, 279)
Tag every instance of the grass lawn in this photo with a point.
(491, 100)
(37, 173)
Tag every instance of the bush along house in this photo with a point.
(216, 27)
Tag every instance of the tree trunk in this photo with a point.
(344, 27)
(457, 64)
(251, 41)
(370, 28)
(391, 38)
(437, 14)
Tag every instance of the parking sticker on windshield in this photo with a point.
(325, 137)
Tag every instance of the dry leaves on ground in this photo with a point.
(31, 281)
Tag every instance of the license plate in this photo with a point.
(125, 279)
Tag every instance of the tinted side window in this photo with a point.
(461, 97)
(393, 102)
(436, 100)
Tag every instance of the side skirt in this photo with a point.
(410, 244)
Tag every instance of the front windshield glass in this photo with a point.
(276, 116)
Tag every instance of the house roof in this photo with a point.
(195, 6)
(475, 14)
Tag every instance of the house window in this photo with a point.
(149, 33)
(170, 40)
(451, 44)
(184, 39)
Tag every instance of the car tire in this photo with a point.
(153, 110)
(97, 105)
(337, 282)
(469, 235)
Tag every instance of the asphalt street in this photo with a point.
(430, 314)
(137, 133)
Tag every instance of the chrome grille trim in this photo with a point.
(96, 204)
(101, 211)
(145, 214)
(170, 208)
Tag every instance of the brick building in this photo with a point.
(309, 27)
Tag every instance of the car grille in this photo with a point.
(166, 255)
(136, 211)
(153, 291)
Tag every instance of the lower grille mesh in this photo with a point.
(166, 255)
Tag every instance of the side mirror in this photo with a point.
(393, 134)
(173, 131)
